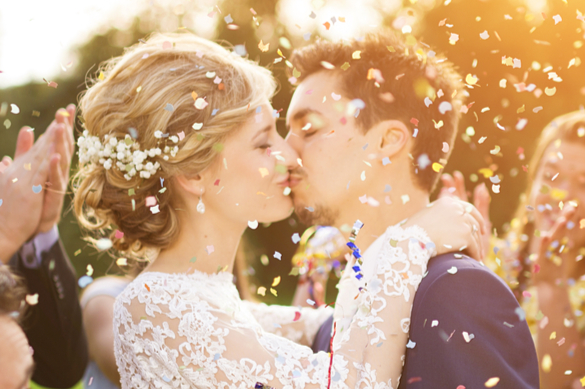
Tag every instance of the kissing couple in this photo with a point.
(180, 154)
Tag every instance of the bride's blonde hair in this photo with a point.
(151, 87)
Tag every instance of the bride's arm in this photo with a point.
(298, 324)
(162, 341)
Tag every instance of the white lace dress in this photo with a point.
(194, 331)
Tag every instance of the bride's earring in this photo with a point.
(200, 206)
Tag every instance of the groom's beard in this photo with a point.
(321, 215)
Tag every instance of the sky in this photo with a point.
(36, 35)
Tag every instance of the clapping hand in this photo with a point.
(550, 265)
(32, 187)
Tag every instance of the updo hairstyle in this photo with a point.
(153, 87)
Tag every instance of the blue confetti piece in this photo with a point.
(133, 132)
(357, 112)
(388, 188)
(496, 250)
(1, 201)
(307, 36)
(335, 263)
(351, 245)
(359, 276)
(275, 114)
(365, 146)
(356, 268)
(336, 377)
(296, 373)
(258, 109)
(311, 302)
(357, 254)
(170, 107)
(310, 209)
(215, 111)
(84, 281)
(37, 189)
(166, 378)
(281, 359)
(520, 313)
(386, 161)
(277, 255)
(216, 356)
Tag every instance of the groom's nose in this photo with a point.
(295, 143)
(290, 154)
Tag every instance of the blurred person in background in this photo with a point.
(32, 190)
(16, 361)
(541, 256)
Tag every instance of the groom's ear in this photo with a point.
(392, 137)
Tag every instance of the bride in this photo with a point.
(179, 154)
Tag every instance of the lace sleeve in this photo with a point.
(173, 334)
(383, 307)
(296, 324)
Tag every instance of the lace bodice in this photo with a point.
(193, 330)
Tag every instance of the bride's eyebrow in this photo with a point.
(266, 129)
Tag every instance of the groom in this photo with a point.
(374, 122)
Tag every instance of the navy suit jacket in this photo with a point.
(54, 326)
(472, 299)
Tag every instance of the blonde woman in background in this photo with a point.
(541, 257)
(179, 155)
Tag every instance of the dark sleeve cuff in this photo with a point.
(54, 326)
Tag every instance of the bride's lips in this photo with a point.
(294, 180)
(285, 182)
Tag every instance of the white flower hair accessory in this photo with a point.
(125, 153)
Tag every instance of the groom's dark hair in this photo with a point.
(411, 73)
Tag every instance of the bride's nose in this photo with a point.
(289, 154)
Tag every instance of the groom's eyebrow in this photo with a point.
(301, 114)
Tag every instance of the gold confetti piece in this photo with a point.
(261, 291)
(546, 363)
(263, 47)
(27, 166)
(122, 261)
(391, 49)
(345, 66)
(139, 89)
(492, 382)
(469, 79)
(558, 194)
(437, 167)
(495, 150)
(486, 172)
(582, 224)
(561, 205)
(273, 292)
(550, 91)
(263, 171)
(194, 95)
(89, 270)
(405, 198)
(582, 380)
(101, 76)
(553, 336)
(356, 55)
(300, 162)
